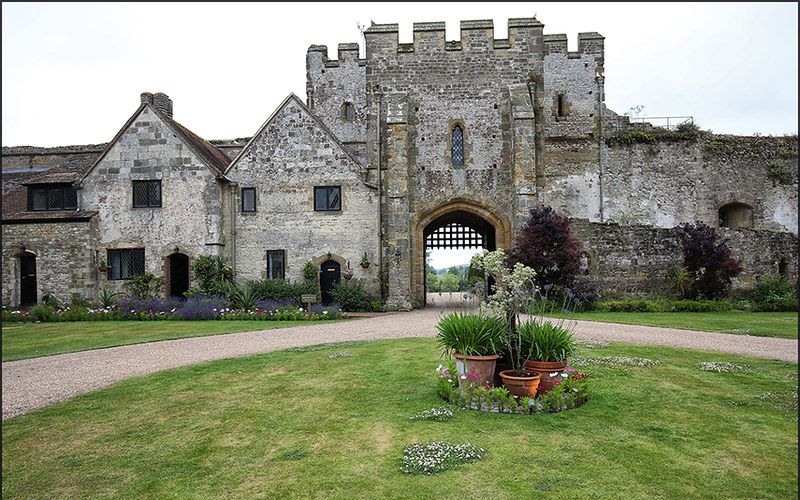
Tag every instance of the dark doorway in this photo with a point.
(178, 274)
(330, 273)
(27, 279)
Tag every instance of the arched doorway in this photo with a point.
(178, 274)
(28, 295)
(458, 224)
(330, 273)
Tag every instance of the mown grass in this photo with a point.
(760, 324)
(303, 424)
(31, 340)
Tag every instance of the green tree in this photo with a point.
(449, 283)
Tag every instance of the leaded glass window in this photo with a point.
(248, 199)
(125, 263)
(276, 264)
(327, 198)
(348, 112)
(458, 146)
(51, 197)
(147, 194)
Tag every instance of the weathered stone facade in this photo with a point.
(526, 114)
(64, 258)
(292, 153)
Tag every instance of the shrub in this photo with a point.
(708, 261)
(50, 301)
(332, 311)
(701, 306)
(281, 290)
(42, 313)
(202, 307)
(546, 245)
(774, 293)
(470, 334)
(144, 286)
(351, 296)
(310, 272)
(376, 305)
(630, 305)
(137, 305)
(244, 297)
(210, 272)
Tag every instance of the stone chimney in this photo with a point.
(147, 98)
(162, 102)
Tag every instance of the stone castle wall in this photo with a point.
(638, 258)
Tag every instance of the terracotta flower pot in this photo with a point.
(365, 265)
(483, 366)
(523, 384)
(546, 369)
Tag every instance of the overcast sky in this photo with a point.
(72, 73)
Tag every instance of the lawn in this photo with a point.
(760, 324)
(31, 340)
(310, 424)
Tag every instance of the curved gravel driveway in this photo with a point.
(34, 383)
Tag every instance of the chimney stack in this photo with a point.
(147, 98)
(163, 103)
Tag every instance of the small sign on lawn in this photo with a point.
(308, 298)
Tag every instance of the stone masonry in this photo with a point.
(534, 131)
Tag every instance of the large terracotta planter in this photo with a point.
(482, 365)
(521, 385)
(546, 369)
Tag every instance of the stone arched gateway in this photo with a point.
(493, 224)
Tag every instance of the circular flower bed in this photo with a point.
(570, 393)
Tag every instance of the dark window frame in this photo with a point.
(270, 267)
(249, 190)
(149, 203)
(328, 199)
(348, 111)
(136, 263)
(457, 150)
(48, 190)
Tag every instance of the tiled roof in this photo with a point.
(215, 158)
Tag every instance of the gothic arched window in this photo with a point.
(458, 146)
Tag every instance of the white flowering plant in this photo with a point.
(433, 457)
(514, 290)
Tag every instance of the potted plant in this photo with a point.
(474, 341)
(365, 261)
(347, 272)
(513, 292)
(552, 344)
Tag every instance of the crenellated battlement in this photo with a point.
(476, 35)
(346, 52)
(588, 43)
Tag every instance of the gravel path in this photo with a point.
(34, 383)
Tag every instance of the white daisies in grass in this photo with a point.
(724, 367)
(615, 361)
(438, 414)
(433, 457)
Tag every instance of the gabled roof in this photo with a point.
(207, 152)
(293, 98)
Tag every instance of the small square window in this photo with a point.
(248, 199)
(328, 198)
(125, 263)
(276, 264)
(147, 194)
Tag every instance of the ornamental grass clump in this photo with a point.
(433, 457)
(470, 334)
(549, 342)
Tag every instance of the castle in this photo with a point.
(431, 144)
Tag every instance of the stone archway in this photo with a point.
(495, 225)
